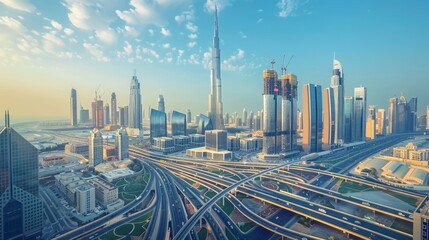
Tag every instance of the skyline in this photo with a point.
(395, 54)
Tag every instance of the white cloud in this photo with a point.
(68, 31)
(220, 4)
(141, 12)
(131, 30)
(51, 42)
(56, 25)
(150, 52)
(259, 20)
(29, 44)
(193, 59)
(165, 32)
(96, 51)
(22, 5)
(151, 32)
(12, 23)
(288, 7)
(260, 10)
(192, 36)
(128, 48)
(234, 63)
(192, 44)
(180, 53)
(187, 15)
(191, 27)
(242, 35)
(166, 45)
(106, 35)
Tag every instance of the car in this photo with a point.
(345, 218)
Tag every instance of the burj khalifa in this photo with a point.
(215, 96)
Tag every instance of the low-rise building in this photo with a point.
(109, 153)
(411, 152)
(77, 148)
(85, 198)
(105, 192)
(233, 143)
(117, 173)
(54, 160)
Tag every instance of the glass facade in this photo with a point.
(158, 124)
(348, 119)
(178, 124)
(204, 123)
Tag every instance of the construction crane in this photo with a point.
(284, 68)
(97, 93)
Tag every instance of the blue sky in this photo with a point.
(47, 47)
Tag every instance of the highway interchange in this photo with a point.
(167, 195)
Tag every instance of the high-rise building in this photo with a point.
(204, 124)
(188, 116)
(348, 119)
(97, 113)
(401, 115)
(95, 141)
(178, 124)
(371, 123)
(381, 119)
(312, 118)
(337, 85)
(411, 123)
(106, 115)
(73, 108)
(135, 106)
(161, 103)
(392, 127)
(226, 118)
(244, 117)
(121, 143)
(21, 212)
(113, 110)
(84, 115)
(158, 124)
(360, 114)
(289, 92)
(328, 137)
(215, 96)
(249, 121)
(272, 113)
(427, 117)
(299, 120)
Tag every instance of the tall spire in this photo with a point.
(215, 23)
(6, 119)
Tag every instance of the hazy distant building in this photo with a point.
(359, 114)
(289, 92)
(348, 119)
(328, 137)
(84, 115)
(370, 131)
(178, 124)
(121, 144)
(401, 115)
(188, 116)
(411, 123)
(113, 110)
(135, 106)
(161, 103)
(272, 113)
(392, 127)
(244, 117)
(158, 124)
(97, 113)
(73, 108)
(106, 113)
(312, 118)
(337, 85)
(215, 112)
(427, 118)
(381, 119)
(21, 212)
(95, 149)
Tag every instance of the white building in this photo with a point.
(121, 144)
(85, 198)
(95, 148)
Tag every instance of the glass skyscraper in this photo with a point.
(360, 114)
(289, 90)
(158, 124)
(312, 118)
(348, 119)
(73, 108)
(178, 124)
(135, 106)
(21, 212)
(204, 123)
(121, 143)
(329, 126)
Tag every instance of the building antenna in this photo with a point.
(272, 63)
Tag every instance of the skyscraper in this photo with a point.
(73, 108)
(158, 124)
(121, 143)
(21, 212)
(178, 124)
(113, 110)
(135, 106)
(95, 141)
(348, 119)
(106, 113)
(411, 123)
(312, 118)
(401, 115)
(244, 117)
(371, 122)
(328, 137)
(215, 96)
(289, 91)
(392, 128)
(161, 103)
(337, 85)
(381, 119)
(427, 117)
(84, 115)
(360, 114)
(272, 113)
(97, 113)
(188, 116)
